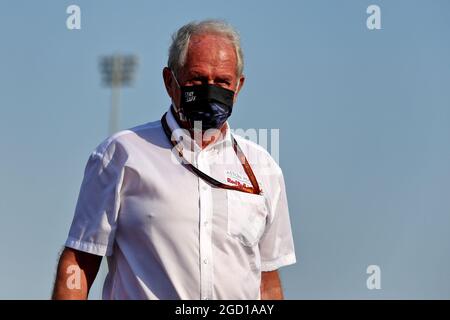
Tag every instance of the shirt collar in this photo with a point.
(184, 140)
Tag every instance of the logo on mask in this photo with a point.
(189, 96)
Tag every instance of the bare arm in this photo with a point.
(271, 286)
(75, 275)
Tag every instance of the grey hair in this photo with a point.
(180, 41)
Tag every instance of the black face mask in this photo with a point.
(210, 104)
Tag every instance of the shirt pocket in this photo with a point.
(247, 215)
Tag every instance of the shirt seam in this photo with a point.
(270, 265)
(88, 246)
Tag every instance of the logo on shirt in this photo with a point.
(238, 179)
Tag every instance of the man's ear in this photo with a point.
(239, 87)
(171, 86)
(168, 81)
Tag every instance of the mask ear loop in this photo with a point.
(177, 109)
(236, 90)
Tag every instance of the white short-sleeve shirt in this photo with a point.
(167, 233)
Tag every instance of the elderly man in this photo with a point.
(181, 207)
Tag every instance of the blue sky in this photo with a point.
(363, 117)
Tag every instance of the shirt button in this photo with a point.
(204, 188)
(205, 223)
(205, 261)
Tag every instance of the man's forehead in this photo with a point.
(213, 45)
(220, 71)
(210, 38)
(210, 51)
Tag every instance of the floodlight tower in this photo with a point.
(117, 71)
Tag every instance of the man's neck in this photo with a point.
(209, 137)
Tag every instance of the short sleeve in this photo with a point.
(276, 245)
(95, 219)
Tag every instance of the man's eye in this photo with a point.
(194, 82)
(224, 83)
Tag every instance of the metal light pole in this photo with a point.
(117, 71)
